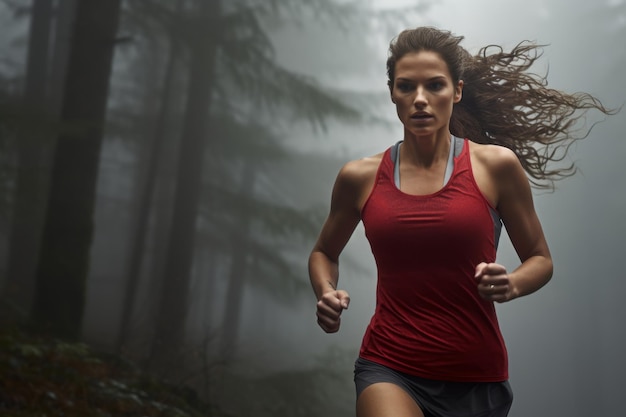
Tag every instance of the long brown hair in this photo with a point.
(504, 103)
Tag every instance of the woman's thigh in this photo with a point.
(386, 399)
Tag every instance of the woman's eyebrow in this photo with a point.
(436, 77)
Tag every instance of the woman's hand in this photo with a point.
(493, 282)
(329, 309)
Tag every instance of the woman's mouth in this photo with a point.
(421, 116)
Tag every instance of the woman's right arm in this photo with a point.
(347, 198)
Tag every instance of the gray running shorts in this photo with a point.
(440, 398)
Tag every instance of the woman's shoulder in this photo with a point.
(355, 181)
(359, 170)
(497, 159)
(497, 170)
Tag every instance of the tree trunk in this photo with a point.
(146, 194)
(63, 24)
(172, 310)
(64, 260)
(238, 271)
(31, 184)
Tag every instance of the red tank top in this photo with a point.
(429, 319)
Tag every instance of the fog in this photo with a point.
(566, 342)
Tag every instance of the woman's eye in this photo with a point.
(436, 86)
(404, 87)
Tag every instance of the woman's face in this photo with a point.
(424, 93)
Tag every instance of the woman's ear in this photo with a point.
(390, 85)
(458, 91)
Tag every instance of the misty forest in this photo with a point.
(166, 165)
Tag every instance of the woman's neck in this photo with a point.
(426, 150)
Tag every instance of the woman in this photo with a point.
(432, 207)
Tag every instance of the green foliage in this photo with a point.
(55, 378)
(40, 376)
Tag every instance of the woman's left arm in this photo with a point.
(516, 208)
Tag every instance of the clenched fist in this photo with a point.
(329, 309)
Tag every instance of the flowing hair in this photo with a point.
(504, 103)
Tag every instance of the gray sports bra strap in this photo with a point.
(395, 157)
(455, 150)
(456, 146)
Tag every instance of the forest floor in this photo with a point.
(46, 377)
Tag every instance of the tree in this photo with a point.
(32, 147)
(177, 272)
(245, 72)
(155, 143)
(64, 259)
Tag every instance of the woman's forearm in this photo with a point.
(323, 273)
(531, 275)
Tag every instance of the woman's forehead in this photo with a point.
(422, 63)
